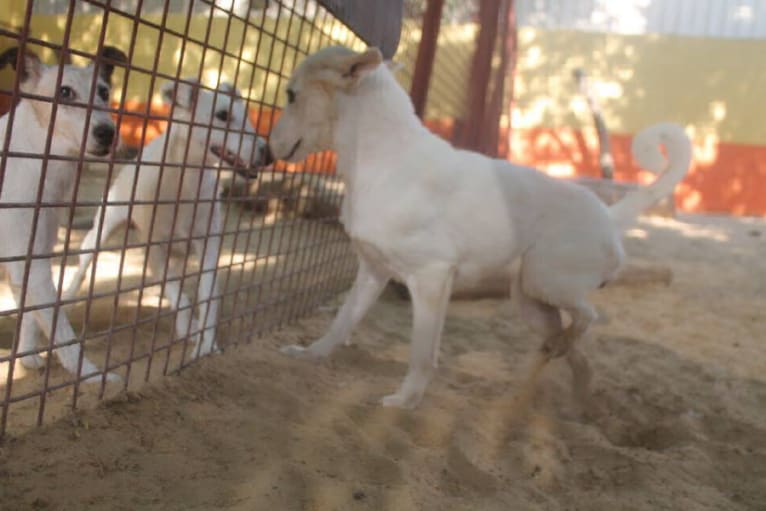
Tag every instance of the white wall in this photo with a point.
(703, 18)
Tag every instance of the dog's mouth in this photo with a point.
(232, 159)
(244, 169)
(100, 151)
(294, 149)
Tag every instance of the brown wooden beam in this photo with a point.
(470, 132)
(490, 130)
(512, 50)
(424, 61)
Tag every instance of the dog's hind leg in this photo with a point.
(364, 293)
(543, 294)
(208, 295)
(430, 290)
(114, 216)
(546, 320)
(158, 258)
(560, 344)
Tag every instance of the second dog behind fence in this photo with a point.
(32, 183)
(175, 202)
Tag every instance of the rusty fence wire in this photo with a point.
(195, 240)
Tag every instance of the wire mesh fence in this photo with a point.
(455, 46)
(143, 224)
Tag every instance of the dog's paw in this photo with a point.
(556, 346)
(94, 374)
(97, 378)
(213, 349)
(34, 361)
(113, 378)
(296, 351)
(400, 400)
(203, 349)
(300, 352)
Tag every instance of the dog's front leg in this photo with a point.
(29, 332)
(40, 291)
(430, 290)
(367, 287)
(114, 216)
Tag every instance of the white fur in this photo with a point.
(193, 182)
(22, 179)
(440, 219)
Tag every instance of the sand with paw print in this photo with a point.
(678, 422)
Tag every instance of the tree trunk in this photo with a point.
(606, 162)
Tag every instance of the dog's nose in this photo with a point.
(267, 157)
(104, 134)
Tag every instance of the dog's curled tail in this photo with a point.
(671, 166)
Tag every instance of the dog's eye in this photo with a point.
(103, 92)
(290, 96)
(66, 93)
(223, 115)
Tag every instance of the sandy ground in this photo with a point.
(268, 274)
(679, 418)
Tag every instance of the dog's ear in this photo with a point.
(230, 89)
(394, 67)
(346, 68)
(183, 94)
(27, 64)
(108, 57)
(360, 64)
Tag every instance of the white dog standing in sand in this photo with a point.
(176, 200)
(24, 176)
(440, 220)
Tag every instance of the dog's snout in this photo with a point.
(267, 157)
(104, 134)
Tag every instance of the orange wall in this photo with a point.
(725, 178)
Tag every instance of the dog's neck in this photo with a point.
(30, 133)
(374, 123)
(375, 128)
(183, 150)
(23, 174)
